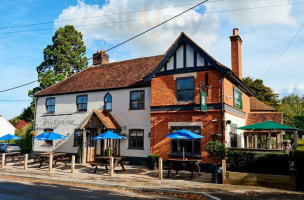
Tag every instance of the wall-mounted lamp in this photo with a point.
(214, 120)
(228, 122)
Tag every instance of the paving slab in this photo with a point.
(141, 178)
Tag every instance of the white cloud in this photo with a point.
(264, 12)
(265, 31)
(297, 89)
(202, 28)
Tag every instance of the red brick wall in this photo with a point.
(160, 144)
(163, 89)
(256, 117)
(228, 96)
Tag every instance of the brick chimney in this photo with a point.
(100, 58)
(236, 53)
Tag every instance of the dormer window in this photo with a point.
(108, 102)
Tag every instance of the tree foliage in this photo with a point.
(292, 107)
(262, 92)
(25, 133)
(63, 58)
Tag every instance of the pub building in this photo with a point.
(147, 98)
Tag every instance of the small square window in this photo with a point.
(136, 139)
(137, 100)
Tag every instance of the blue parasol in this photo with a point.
(49, 136)
(10, 137)
(184, 135)
(109, 135)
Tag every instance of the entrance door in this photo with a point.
(91, 144)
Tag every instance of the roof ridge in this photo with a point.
(133, 59)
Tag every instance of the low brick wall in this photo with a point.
(266, 180)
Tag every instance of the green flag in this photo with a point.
(203, 101)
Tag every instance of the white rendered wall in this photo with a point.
(6, 127)
(70, 119)
(240, 133)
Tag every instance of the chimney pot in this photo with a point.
(235, 31)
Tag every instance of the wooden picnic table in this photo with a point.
(105, 161)
(185, 165)
(45, 158)
(13, 156)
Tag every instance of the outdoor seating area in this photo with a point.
(12, 156)
(45, 158)
(105, 161)
(182, 165)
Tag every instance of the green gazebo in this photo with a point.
(270, 132)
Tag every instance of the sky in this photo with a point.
(271, 31)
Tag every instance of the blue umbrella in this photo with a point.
(49, 136)
(109, 135)
(184, 135)
(10, 137)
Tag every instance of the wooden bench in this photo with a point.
(96, 164)
(125, 162)
(61, 159)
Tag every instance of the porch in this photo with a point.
(98, 122)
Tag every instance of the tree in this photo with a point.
(65, 57)
(262, 92)
(292, 107)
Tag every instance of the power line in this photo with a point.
(156, 26)
(289, 43)
(120, 13)
(250, 8)
(16, 100)
(18, 86)
(123, 21)
(124, 41)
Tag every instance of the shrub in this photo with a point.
(267, 163)
(216, 150)
(152, 161)
(300, 142)
(153, 158)
(298, 157)
(26, 142)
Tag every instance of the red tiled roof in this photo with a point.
(256, 105)
(121, 74)
(105, 117)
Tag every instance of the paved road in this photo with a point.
(15, 190)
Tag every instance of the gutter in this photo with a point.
(222, 109)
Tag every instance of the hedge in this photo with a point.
(298, 157)
(300, 142)
(265, 163)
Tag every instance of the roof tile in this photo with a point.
(121, 74)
